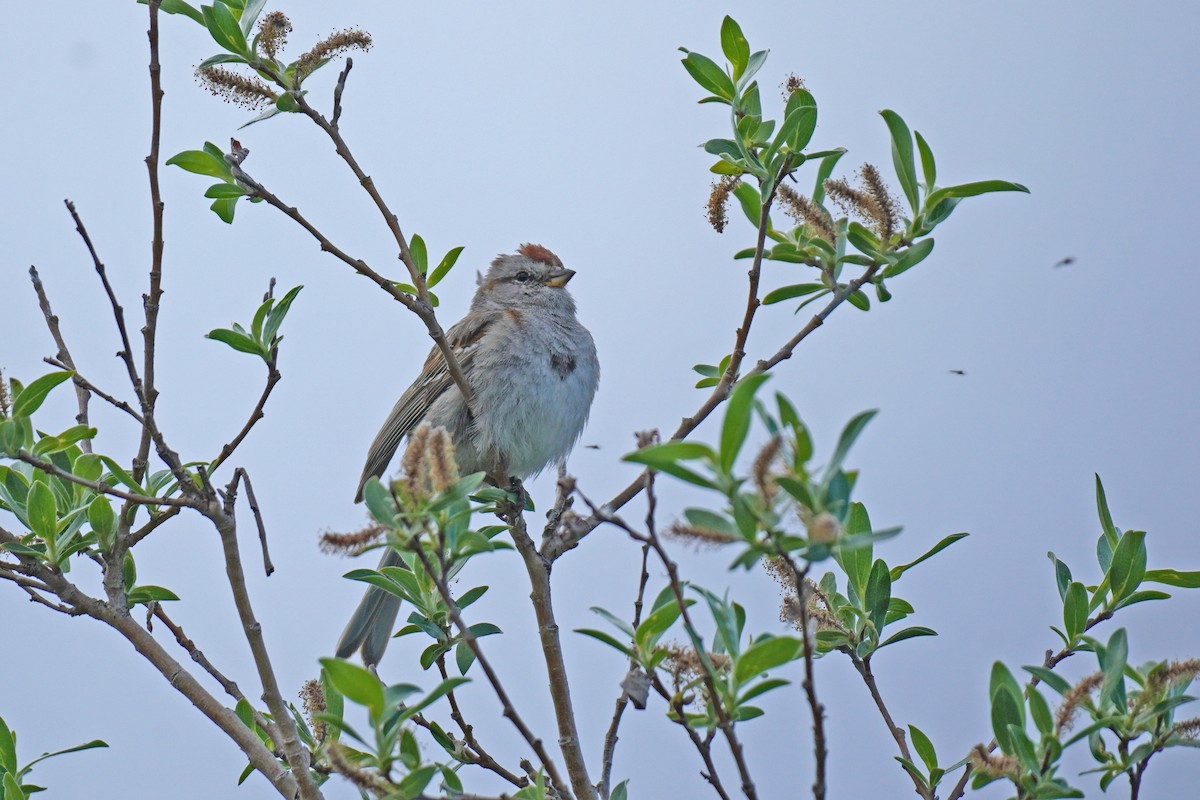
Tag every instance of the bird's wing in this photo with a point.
(416, 400)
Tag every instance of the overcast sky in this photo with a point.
(572, 125)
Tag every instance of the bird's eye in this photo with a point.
(521, 276)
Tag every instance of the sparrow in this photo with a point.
(533, 373)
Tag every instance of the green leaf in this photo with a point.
(29, 399)
(928, 165)
(788, 292)
(973, 189)
(878, 595)
(655, 625)
(737, 418)
(278, 313)
(1062, 575)
(908, 633)
(828, 163)
(419, 253)
(853, 428)
(8, 748)
(356, 683)
(12, 790)
(238, 341)
(1050, 678)
(1141, 597)
(750, 201)
(1006, 711)
(764, 655)
(146, 594)
(224, 207)
(799, 123)
(1039, 709)
(930, 553)
(42, 511)
(1075, 610)
(178, 7)
(711, 77)
(923, 746)
(438, 691)
(250, 15)
(1128, 565)
(1173, 577)
(444, 267)
(464, 657)
(202, 162)
(601, 636)
(735, 46)
(380, 503)
(902, 158)
(620, 792)
(218, 190)
(1112, 663)
(224, 28)
(909, 258)
(121, 475)
(414, 783)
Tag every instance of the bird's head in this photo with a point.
(533, 277)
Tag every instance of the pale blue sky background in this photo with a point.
(574, 126)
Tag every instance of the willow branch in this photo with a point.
(538, 570)
(421, 307)
(64, 354)
(152, 300)
(98, 486)
(273, 377)
(509, 710)
(477, 755)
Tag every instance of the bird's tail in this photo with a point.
(370, 627)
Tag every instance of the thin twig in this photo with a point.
(816, 708)
(198, 656)
(152, 300)
(158, 519)
(126, 351)
(703, 746)
(64, 355)
(86, 385)
(416, 305)
(477, 754)
(231, 497)
(98, 486)
(273, 377)
(337, 93)
(724, 723)
(610, 738)
(509, 710)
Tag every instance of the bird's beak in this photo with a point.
(559, 277)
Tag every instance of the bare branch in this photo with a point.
(538, 570)
(337, 93)
(86, 385)
(421, 307)
(64, 355)
(294, 752)
(477, 755)
(198, 656)
(231, 498)
(98, 486)
(273, 377)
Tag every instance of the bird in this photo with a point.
(533, 372)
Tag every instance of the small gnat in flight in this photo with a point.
(958, 372)
(1065, 262)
